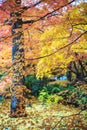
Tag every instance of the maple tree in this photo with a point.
(29, 20)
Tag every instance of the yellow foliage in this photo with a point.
(60, 36)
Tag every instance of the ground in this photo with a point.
(44, 117)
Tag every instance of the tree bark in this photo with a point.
(17, 97)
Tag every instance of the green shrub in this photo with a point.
(54, 93)
(29, 81)
(70, 95)
(53, 88)
(33, 84)
(54, 99)
(76, 97)
(43, 96)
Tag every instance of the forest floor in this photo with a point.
(44, 117)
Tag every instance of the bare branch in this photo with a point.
(48, 14)
(62, 117)
(28, 21)
(33, 5)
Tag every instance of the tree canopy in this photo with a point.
(53, 31)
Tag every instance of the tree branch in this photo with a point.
(62, 117)
(33, 5)
(48, 14)
(41, 18)
(28, 21)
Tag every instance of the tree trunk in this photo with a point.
(17, 97)
(69, 72)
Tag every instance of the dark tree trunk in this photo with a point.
(69, 72)
(69, 75)
(79, 71)
(17, 97)
(83, 70)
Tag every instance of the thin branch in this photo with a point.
(33, 5)
(33, 16)
(28, 21)
(41, 18)
(48, 14)
(40, 30)
(62, 117)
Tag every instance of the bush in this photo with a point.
(43, 96)
(53, 88)
(54, 99)
(33, 84)
(29, 81)
(55, 93)
(75, 96)
(48, 94)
